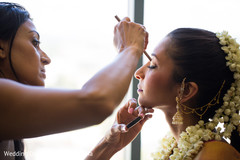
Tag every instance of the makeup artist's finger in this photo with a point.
(146, 40)
(147, 117)
(119, 128)
(115, 29)
(139, 111)
(149, 110)
(131, 105)
(126, 19)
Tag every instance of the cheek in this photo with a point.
(27, 66)
(157, 90)
(24, 54)
(155, 83)
(26, 61)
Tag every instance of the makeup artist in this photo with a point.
(30, 110)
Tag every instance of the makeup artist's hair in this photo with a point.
(12, 16)
(198, 56)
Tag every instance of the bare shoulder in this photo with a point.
(217, 150)
(11, 92)
(6, 83)
(9, 86)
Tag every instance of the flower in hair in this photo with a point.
(229, 111)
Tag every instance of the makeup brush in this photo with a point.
(146, 54)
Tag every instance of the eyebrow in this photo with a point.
(154, 55)
(35, 32)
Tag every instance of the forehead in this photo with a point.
(26, 28)
(160, 52)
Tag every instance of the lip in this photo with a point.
(43, 73)
(139, 89)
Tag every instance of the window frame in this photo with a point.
(136, 13)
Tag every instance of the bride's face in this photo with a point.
(156, 87)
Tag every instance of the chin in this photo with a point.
(42, 84)
(39, 83)
(145, 103)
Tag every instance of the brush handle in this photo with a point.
(134, 122)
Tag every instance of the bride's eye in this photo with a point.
(152, 66)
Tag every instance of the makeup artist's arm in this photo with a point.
(113, 81)
(119, 136)
(28, 111)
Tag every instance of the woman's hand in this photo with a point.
(120, 135)
(129, 34)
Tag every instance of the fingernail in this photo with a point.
(150, 116)
(130, 110)
(142, 115)
(134, 101)
(123, 129)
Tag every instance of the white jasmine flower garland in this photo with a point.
(191, 141)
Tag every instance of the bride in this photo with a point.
(194, 78)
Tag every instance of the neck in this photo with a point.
(1, 74)
(8, 74)
(188, 120)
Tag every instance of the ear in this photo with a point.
(190, 90)
(3, 49)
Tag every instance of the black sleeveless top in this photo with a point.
(19, 147)
(12, 150)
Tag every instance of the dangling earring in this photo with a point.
(177, 118)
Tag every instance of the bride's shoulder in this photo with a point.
(217, 150)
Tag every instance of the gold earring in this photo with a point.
(177, 118)
(200, 111)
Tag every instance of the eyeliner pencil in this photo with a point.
(134, 122)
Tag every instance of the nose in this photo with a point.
(45, 59)
(139, 74)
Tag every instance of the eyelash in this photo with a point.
(152, 67)
(36, 42)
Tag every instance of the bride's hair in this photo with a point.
(198, 56)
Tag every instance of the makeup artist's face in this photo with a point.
(28, 59)
(156, 87)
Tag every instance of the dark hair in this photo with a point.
(198, 56)
(12, 16)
